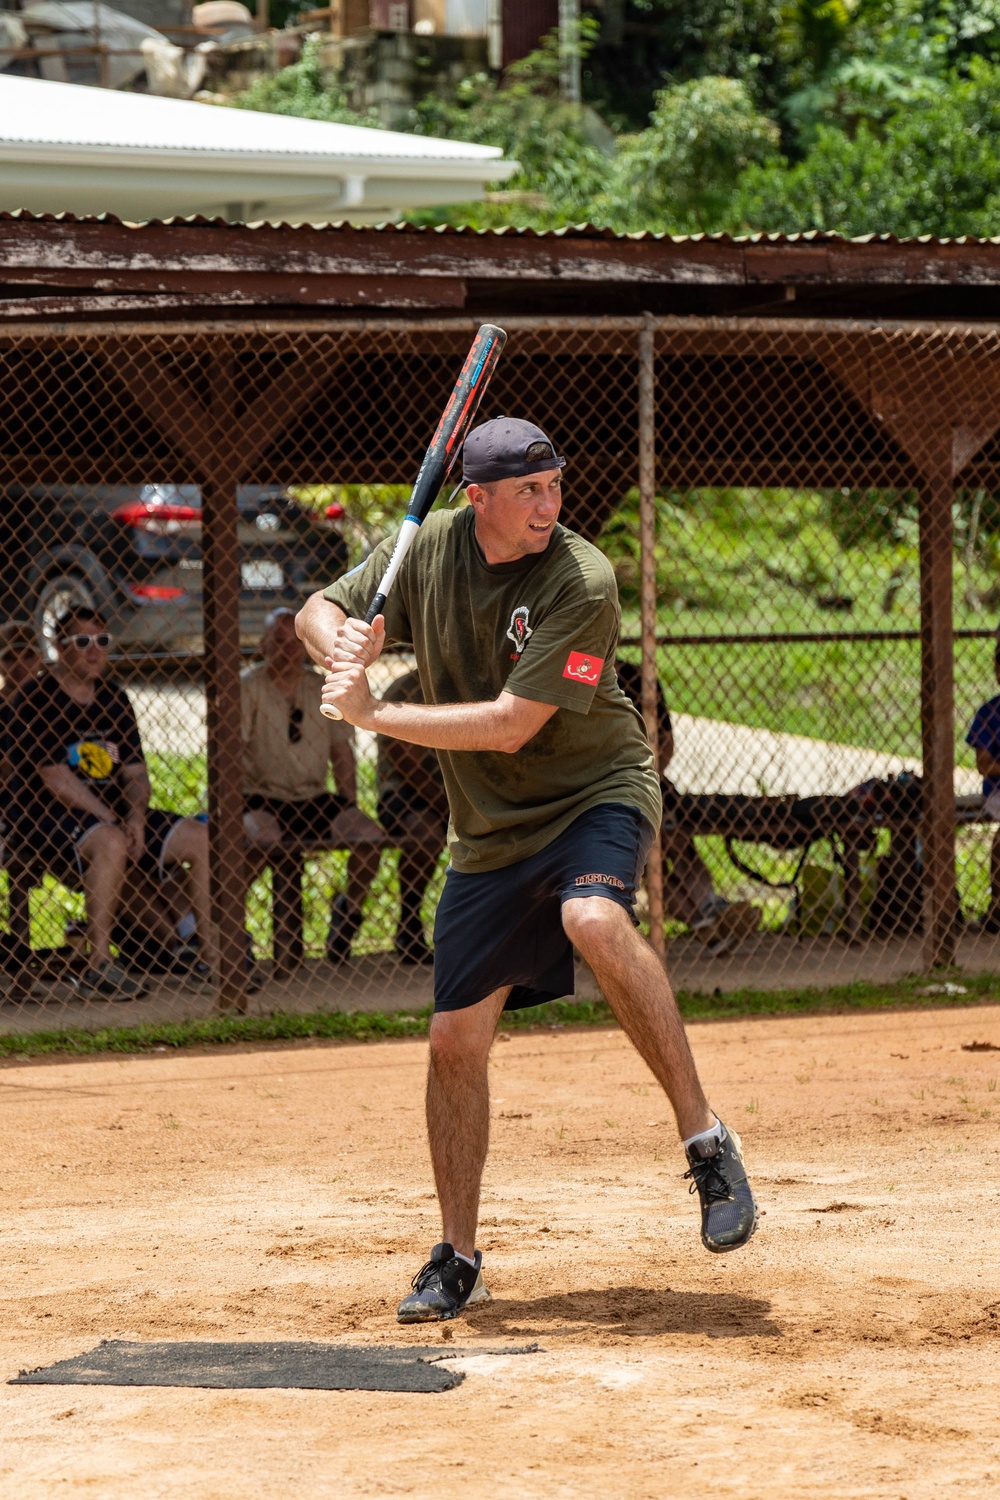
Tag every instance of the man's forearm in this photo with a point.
(345, 772)
(136, 789)
(66, 787)
(504, 725)
(317, 624)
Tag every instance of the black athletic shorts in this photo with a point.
(54, 838)
(301, 820)
(505, 927)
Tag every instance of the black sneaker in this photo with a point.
(728, 1211)
(443, 1288)
(109, 982)
(343, 928)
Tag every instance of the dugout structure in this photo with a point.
(802, 507)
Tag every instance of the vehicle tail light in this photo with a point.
(160, 520)
(157, 592)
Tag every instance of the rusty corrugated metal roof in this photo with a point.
(572, 231)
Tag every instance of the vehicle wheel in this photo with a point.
(56, 595)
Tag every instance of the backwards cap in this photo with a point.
(507, 448)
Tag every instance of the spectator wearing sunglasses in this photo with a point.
(289, 748)
(79, 805)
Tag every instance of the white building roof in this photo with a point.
(70, 149)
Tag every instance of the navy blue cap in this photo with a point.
(507, 448)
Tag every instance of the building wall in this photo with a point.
(162, 15)
(525, 22)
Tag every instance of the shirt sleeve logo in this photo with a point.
(519, 630)
(581, 668)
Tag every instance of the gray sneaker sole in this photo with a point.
(417, 1314)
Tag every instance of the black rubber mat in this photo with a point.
(310, 1367)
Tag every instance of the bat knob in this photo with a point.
(329, 712)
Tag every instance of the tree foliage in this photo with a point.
(931, 167)
(680, 174)
(303, 89)
(865, 116)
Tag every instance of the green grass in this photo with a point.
(749, 561)
(372, 1026)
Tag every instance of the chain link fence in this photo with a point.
(822, 539)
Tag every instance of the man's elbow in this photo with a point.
(514, 732)
(308, 609)
(513, 738)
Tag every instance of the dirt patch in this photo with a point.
(850, 1351)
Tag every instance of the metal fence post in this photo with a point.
(221, 596)
(937, 715)
(647, 557)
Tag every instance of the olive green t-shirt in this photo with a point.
(544, 627)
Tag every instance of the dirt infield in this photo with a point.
(852, 1350)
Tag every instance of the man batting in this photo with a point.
(553, 795)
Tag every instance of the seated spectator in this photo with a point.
(288, 750)
(79, 803)
(413, 808)
(984, 737)
(20, 663)
(689, 895)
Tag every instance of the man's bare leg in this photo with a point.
(638, 991)
(458, 1112)
(262, 829)
(187, 844)
(105, 854)
(363, 862)
(686, 881)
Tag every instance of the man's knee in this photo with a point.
(186, 843)
(262, 829)
(458, 1040)
(351, 823)
(594, 922)
(424, 829)
(105, 842)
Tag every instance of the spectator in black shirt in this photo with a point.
(80, 800)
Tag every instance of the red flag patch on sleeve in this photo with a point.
(581, 668)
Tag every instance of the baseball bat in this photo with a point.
(456, 419)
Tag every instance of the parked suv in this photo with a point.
(134, 552)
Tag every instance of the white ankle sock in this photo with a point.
(469, 1260)
(715, 1134)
